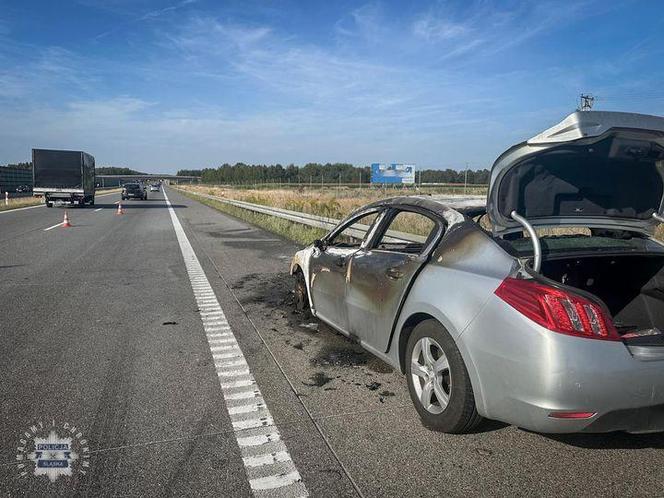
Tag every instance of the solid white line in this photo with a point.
(200, 287)
(54, 226)
(98, 209)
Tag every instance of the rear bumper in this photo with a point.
(522, 373)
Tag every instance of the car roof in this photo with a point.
(437, 207)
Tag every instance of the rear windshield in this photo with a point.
(132, 187)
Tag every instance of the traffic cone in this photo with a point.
(119, 211)
(65, 222)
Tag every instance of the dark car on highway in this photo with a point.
(134, 190)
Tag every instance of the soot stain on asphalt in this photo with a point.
(319, 379)
(341, 357)
(352, 356)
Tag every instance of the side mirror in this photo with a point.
(320, 245)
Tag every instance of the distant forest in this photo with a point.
(241, 173)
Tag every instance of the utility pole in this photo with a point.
(586, 102)
(465, 180)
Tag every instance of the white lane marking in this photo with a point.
(254, 407)
(276, 481)
(252, 423)
(98, 209)
(230, 363)
(270, 458)
(54, 226)
(258, 440)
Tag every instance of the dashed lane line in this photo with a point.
(267, 462)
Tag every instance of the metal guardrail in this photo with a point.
(313, 220)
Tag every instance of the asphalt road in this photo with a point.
(100, 329)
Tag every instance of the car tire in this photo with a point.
(300, 292)
(49, 204)
(457, 413)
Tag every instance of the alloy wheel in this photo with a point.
(430, 371)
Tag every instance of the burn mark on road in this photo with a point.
(319, 379)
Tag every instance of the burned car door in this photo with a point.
(328, 267)
(380, 275)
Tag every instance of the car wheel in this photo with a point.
(300, 292)
(49, 204)
(438, 381)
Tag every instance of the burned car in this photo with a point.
(543, 309)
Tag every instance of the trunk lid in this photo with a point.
(595, 168)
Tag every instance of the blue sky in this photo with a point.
(159, 86)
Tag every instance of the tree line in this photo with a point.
(241, 173)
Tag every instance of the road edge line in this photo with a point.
(261, 478)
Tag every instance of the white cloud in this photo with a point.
(432, 28)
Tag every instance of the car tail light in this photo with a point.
(557, 310)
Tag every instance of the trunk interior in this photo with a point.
(631, 285)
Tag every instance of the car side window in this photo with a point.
(353, 234)
(408, 232)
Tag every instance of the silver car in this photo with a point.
(542, 309)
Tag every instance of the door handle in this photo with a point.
(394, 273)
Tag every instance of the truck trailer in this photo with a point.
(63, 175)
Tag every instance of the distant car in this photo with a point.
(558, 331)
(154, 188)
(135, 191)
(23, 189)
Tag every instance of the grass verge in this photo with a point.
(302, 234)
(19, 202)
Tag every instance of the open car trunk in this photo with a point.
(631, 285)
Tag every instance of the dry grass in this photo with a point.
(338, 203)
(19, 202)
(332, 202)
